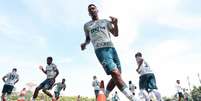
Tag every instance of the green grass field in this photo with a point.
(43, 97)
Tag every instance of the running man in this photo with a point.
(98, 31)
(52, 72)
(96, 85)
(59, 87)
(10, 80)
(179, 90)
(147, 83)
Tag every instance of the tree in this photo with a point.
(196, 93)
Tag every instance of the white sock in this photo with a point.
(128, 93)
(145, 94)
(157, 94)
(33, 99)
(152, 96)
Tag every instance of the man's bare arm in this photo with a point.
(4, 79)
(139, 65)
(115, 29)
(41, 68)
(87, 39)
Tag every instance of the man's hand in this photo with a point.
(113, 20)
(52, 81)
(83, 46)
(137, 70)
(41, 67)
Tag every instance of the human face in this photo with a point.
(178, 81)
(63, 80)
(138, 59)
(93, 11)
(14, 70)
(94, 77)
(49, 61)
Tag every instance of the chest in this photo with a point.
(60, 86)
(49, 68)
(12, 76)
(97, 26)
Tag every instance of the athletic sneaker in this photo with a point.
(134, 98)
(33, 99)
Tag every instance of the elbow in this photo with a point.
(116, 35)
(3, 78)
(57, 72)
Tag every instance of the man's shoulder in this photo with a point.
(57, 83)
(9, 73)
(104, 20)
(17, 74)
(88, 23)
(52, 64)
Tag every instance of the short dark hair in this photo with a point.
(49, 58)
(129, 82)
(91, 5)
(14, 69)
(138, 54)
(94, 77)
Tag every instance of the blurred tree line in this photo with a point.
(195, 95)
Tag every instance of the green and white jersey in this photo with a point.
(96, 84)
(51, 70)
(11, 78)
(59, 86)
(179, 88)
(145, 68)
(99, 33)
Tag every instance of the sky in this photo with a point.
(167, 32)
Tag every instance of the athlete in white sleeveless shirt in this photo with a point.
(96, 85)
(98, 32)
(52, 72)
(147, 83)
(59, 86)
(144, 68)
(10, 80)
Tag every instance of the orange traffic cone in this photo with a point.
(101, 94)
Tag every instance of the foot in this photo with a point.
(134, 98)
(33, 99)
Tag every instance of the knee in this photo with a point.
(116, 74)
